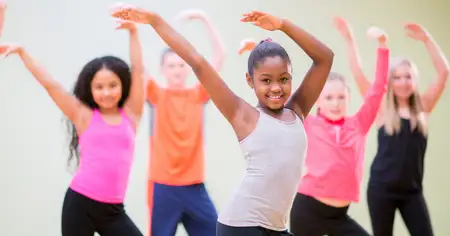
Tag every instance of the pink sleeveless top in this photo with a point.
(106, 155)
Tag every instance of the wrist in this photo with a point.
(152, 18)
(283, 23)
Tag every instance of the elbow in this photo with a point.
(444, 74)
(326, 57)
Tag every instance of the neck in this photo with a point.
(109, 110)
(402, 103)
(268, 110)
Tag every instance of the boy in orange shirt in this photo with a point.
(176, 192)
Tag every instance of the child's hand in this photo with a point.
(7, 49)
(192, 15)
(128, 25)
(416, 32)
(378, 34)
(343, 27)
(247, 45)
(263, 20)
(132, 13)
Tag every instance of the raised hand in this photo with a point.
(416, 32)
(8, 49)
(193, 14)
(132, 13)
(124, 24)
(343, 27)
(2, 15)
(247, 45)
(378, 34)
(263, 20)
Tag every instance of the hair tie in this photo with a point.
(267, 40)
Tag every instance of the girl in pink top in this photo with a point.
(397, 170)
(334, 159)
(104, 111)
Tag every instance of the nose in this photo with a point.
(335, 103)
(106, 92)
(275, 88)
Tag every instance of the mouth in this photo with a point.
(274, 97)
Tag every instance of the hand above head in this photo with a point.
(7, 49)
(247, 45)
(132, 13)
(378, 34)
(193, 14)
(124, 24)
(263, 20)
(416, 32)
(343, 27)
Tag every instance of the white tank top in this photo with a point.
(274, 154)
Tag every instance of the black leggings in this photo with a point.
(310, 217)
(413, 208)
(225, 230)
(82, 216)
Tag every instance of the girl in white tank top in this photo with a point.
(271, 136)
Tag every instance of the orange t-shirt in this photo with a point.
(176, 145)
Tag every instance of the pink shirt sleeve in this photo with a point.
(368, 111)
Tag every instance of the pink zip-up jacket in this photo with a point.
(335, 156)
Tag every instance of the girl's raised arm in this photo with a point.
(435, 90)
(136, 99)
(77, 112)
(234, 109)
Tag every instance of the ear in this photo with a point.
(249, 80)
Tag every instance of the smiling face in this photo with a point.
(272, 82)
(106, 89)
(333, 100)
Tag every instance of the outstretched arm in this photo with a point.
(354, 59)
(136, 99)
(77, 112)
(2, 15)
(368, 112)
(226, 101)
(435, 90)
(305, 96)
(218, 45)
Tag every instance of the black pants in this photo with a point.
(413, 208)
(82, 216)
(310, 217)
(225, 230)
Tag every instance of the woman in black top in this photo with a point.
(397, 170)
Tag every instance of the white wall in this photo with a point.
(64, 35)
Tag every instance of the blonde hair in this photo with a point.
(391, 117)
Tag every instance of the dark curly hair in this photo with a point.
(83, 91)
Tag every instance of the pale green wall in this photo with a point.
(65, 34)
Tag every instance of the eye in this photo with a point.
(284, 79)
(266, 81)
(328, 97)
(341, 97)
